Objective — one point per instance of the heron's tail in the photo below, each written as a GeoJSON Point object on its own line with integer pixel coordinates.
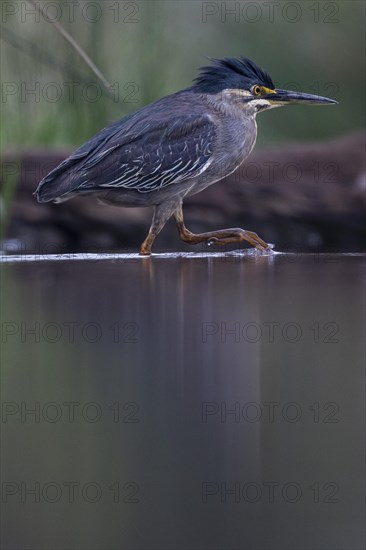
{"type": "Point", "coordinates": [52, 189]}
{"type": "Point", "coordinates": [59, 183]}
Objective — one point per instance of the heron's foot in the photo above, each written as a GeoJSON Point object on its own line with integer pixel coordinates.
{"type": "Point", "coordinates": [145, 249]}
{"type": "Point", "coordinates": [223, 237]}
{"type": "Point", "coordinates": [240, 235]}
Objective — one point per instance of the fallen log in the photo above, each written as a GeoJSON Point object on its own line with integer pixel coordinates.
{"type": "Point", "coordinates": [302, 197]}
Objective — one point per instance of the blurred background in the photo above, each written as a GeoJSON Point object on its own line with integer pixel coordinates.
{"type": "Point", "coordinates": [302, 188]}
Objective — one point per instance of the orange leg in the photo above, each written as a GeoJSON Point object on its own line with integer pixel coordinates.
{"type": "Point", "coordinates": [162, 213]}
{"type": "Point", "coordinates": [220, 237]}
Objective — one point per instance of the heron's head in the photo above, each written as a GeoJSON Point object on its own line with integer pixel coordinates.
{"type": "Point", "coordinates": [243, 81]}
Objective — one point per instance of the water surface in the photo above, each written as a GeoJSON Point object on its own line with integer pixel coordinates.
{"type": "Point", "coordinates": [214, 401]}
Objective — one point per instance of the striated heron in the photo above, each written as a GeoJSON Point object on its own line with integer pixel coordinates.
{"type": "Point", "coordinates": [176, 147]}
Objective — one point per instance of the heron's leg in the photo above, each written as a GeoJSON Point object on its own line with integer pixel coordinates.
{"type": "Point", "coordinates": [220, 237]}
{"type": "Point", "coordinates": [162, 213]}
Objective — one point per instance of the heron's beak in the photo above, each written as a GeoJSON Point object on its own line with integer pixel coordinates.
{"type": "Point", "coordinates": [285, 97]}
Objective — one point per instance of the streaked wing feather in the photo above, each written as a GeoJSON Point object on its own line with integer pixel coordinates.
{"type": "Point", "coordinates": [162, 155]}
{"type": "Point", "coordinates": [92, 152]}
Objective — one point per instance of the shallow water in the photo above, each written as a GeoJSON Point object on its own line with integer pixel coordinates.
{"type": "Point", "coordinates": [165, 403]}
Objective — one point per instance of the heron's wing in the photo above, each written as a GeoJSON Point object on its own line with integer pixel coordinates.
{"type": "Point", "coordinates": [60, 180]}
{"type": "Point", "coordinates": [142, 151]}
{"type": "Point", "coordinates": [164, 153]}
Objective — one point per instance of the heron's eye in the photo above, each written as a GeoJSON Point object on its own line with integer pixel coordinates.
{"type": "Point", "coordinates": [256, 90]}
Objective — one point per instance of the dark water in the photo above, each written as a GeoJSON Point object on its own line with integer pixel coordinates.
{"type": "Point", "coordinates": [184, 404]}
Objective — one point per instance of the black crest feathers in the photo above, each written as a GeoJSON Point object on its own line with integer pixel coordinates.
{"type": "Point", "coordinates": [233, 73]}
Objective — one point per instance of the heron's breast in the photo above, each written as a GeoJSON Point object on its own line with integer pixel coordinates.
{"type": "Point", "coordinates": [235, 143]}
